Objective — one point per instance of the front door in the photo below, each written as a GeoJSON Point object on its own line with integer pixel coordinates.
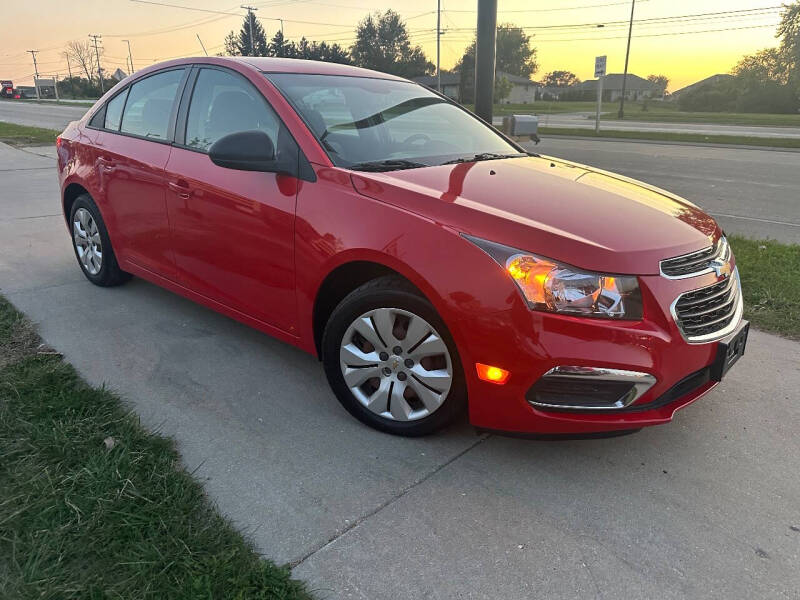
{"type": "Point", "coordinates": [233, 231]}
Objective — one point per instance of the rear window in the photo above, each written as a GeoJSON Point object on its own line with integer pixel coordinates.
{"type": "Point", "coordinates": [149, 105]}
{"type": "Point", "coordinates": [114, 111]}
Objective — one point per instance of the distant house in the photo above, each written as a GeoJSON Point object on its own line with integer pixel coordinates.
{"type": "Point", "coordinates": [698, 84]}
{"type": "Point", "coordinates": [450, 83]}
{"type": "Point", "coordinates": [636, 87]}
{"type": "Point", "coordinates": [523, 91]}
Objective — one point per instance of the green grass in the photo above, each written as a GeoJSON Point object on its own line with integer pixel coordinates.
{"type": "Point", "coordinates": [540, 107]}
{"type": "Point", "coordinates": [668, 113]}
{"type": "Point", "coordinates": [673, 137]}
{"type": "Point", "coordinates": [770, 274]}
{"type": "Point", "coordinates": [84, 518]}
{"type": "Point", "coordinates": [23, 135]}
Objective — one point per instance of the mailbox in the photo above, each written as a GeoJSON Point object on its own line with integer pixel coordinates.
{"type": "Point", "coordinates": [522, 126]}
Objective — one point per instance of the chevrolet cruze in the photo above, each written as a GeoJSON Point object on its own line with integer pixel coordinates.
{"type": "Point", "coordinates": [430, 262]}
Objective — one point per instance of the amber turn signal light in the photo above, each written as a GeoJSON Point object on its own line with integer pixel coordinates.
{"type": "Point", "coordinates": [492, 374]}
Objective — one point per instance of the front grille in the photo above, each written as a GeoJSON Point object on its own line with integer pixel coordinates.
{"type": "Point", "coordinates": [711, 310]}
{"type": "Point", "coordinates": [695, 263]}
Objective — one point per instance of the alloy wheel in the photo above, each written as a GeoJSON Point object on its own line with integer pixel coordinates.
{"type": "Point", "coordinates": [396, 364]}
{"type": "Point", "coordinates": [87, 241]}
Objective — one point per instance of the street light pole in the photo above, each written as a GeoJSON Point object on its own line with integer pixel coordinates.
{"type": "Point", "coordinates": [130, 56]}
{"type": "Point", "coordinates": [621, 113]}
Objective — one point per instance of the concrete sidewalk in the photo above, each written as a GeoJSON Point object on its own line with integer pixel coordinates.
{"type": "Point", "coordinates": [704, 507]}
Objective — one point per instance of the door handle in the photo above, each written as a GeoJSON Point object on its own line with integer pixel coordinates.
{"type": "Point", "coordinates": [181, 188]}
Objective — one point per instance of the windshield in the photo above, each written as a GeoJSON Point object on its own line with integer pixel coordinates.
{"type": "Point", "coordinates": [364, 122]}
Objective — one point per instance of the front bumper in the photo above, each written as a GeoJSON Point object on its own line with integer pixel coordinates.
{"type": "Point", "coordinates": [530, 344]}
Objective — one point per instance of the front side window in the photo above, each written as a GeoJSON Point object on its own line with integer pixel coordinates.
{"type": "Point", "coordinates": [114, 111]}
{"type": "Point", "coordinates": [224, 103]}
{"type": "Point", "coordinates": [150, 103]}
{"type": "Point", "coordinates": [365, 120]}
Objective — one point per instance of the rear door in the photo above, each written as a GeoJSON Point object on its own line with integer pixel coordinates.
{"type": "Point", "coordinates": [232, 231]}
{"type": "Point", "coordinates": [131, 153]}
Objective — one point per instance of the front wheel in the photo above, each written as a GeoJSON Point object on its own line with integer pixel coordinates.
{"type": "Point", "coordinates": [391, 361]}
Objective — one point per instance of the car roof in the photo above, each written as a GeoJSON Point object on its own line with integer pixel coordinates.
{"type": "Point", "coordinates": [310, 67]}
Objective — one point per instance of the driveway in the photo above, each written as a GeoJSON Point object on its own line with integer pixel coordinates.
{"type": "Point", "coordinates": [706, 507]}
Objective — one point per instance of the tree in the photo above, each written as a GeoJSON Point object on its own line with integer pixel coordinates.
{"type": "Point", "coordinates": [766, 65]}
{"type": "Point", "coordinates": [789, 33]}
{"type": "Point", "coordinates": [513, 55]}
{"type": "Point", "coordinates": [382, 43]}
{"type": "Point", "coordinates": [560, 79]}
{"type": "Point", "coordinates": [502, 88]}
{"type": "Point", "coordinates": [660, 83]}
{"type": "Point", "coordinates": [239, 44]}
{"type": "Point", "coordinates": [278, 46]}
{"type": "Point", "coordinates": [322, 51]}
{"type": "Point", "coordinates": [83, 56]}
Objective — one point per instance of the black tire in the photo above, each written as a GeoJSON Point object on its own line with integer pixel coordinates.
{"type": "Point", "coordinates": [109, 274]}
{"type": "Point", "coordinates": [390, 292]}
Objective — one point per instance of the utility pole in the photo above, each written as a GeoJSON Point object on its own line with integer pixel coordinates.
{"type": "Point", "coordinates": [250, 10]}
{"type": "Point", "coordinates": [438, 48]}
{"type": "Point", "coordinates": [97, 54]}
{"type": "Point", "coordinates": [201, 44]}
{"type": "Point", "coordinates": [130, 56]}
{"type": "Point", "coordinates": [71, 82]}
{"type": "Point", "coordinates": [485, 59]}
{"type": "Point", "coordinates": [621, 113]}
{"type": "Point", "coordinates": [35, 73]}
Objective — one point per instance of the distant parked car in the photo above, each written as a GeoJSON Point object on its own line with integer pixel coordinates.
{"type": "Point", "coordinates": [6, 89]}
{"type": "Point", "coordinates": [429, 261]}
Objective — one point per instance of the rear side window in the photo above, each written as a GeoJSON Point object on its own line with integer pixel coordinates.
{"type": "Point", "coordinates": [150, 103]}
{"type": "Point", "coordinates": [224, 103]}
{"type": "Point", "coordinates": [114, 111]}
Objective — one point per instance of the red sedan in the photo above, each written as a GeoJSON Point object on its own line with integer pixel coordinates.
{"type": "Point", "coordinates": [430, 262]}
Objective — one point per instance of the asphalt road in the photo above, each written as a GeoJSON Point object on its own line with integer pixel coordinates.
{"type": "Point", "coordinates": [705, 507]}
{"type": "Point", "coordinates": [56, 116]}
{"type": "Point", "coordinates": [752, 192]}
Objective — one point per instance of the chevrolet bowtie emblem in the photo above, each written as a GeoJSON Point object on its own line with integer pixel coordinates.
{"type": "Point", "coordinates": [721, 268]}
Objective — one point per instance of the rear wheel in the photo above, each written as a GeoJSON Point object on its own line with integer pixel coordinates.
{"type": "Point", "coordinates": [391, 361]}
{"type": "Point", "coordinates": [92, 245]}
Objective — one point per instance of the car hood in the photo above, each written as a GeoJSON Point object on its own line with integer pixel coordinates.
{"type": "Point", "coordinates": [572, 213]}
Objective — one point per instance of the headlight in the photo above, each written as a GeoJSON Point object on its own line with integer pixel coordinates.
{"type": "Point", "coordinates": [555, 287]}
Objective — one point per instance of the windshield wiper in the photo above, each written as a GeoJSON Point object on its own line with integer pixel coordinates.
{"type": "Point", "coordinates": [391, 164]}
{"type": "Point", "coordinates": [482, 156]}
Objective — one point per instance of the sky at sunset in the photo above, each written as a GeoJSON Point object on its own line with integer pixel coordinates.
{"type": "Point", "coordinates": [565, 32]}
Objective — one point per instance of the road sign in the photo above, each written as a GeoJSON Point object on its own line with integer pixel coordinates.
{"type": "Point", "coordinates": [599, 66]}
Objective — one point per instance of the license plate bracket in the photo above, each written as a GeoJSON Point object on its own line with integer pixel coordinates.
{"type": "Point", "coordinates": [730, 351]}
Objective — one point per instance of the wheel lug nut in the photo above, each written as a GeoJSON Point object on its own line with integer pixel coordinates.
{"type": "Point", "coordinates": [408, 363]}
{"type": "Point", "coordinates": [397, 350]}
{"type": "Point", "coordinates": [383, 356]}
{"type": "Point", "coordinates": [387, 371]}
{"type": "Point", "coordinates": [401, 376]}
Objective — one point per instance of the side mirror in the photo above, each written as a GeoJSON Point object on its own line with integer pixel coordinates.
{"type": "Point", "coordinates": [245, 151]}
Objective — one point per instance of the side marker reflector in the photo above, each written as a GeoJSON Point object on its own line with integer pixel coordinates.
{"type": "Point", "coordinates": [492, 374]}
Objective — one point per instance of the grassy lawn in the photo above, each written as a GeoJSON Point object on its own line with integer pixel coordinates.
{"type": "Point", "coordinates": [540, 107]}
{"type": "Point", "coordinates": [770, 275]}
{"type": "Point", "coordinates": [23, 135]}
{"type": "Point", "coordinates": [669, 113]}
{"type": "Point", "coordinates": [93, 506]}
{"type": "Point", "coordinates": [673, 137]}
